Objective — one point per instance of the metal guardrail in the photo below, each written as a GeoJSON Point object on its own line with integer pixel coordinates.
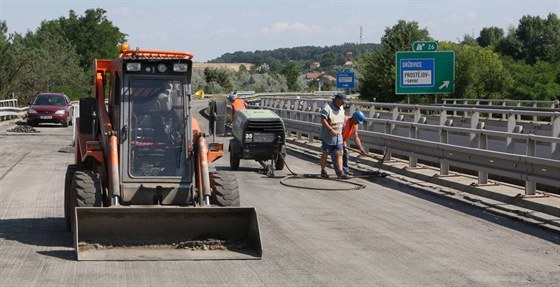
{"type": "Point", "coordinates": [505, 102]}
{"type": "Point", "coordinates": [302, 117]}
{"type": "Point", "coordinates": [9, 110]}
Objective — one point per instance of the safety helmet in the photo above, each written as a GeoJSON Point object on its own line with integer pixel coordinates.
{"type": "Point", "coordinates": [359, 115]}
{"type": "Point", "coordinates": [230, 97]}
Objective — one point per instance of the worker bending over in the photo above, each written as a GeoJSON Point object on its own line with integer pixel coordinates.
{"type": "Point", "coordinates": [236, 104]}
{"type": "Point", "coordinates": [349, 130]}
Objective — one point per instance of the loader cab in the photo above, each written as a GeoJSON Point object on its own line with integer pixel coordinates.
{"type": "Point", "coordinates": [153, 98]}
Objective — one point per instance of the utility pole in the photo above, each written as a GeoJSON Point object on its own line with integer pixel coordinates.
{"type": "Point", "coordinates": [361, 35]}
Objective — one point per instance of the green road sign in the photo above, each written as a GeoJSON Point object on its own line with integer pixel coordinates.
{"type": "Point", "coordinates": [425, 72]}
{"type": "Point", "coordinates": [425, 46]}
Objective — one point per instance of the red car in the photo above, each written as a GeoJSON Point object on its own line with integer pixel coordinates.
{"type": "Point", "coordinates": [50, 108]}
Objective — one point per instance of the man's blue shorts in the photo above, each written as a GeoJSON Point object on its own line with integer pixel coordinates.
{"type": "Point", "coordinates": [331, 148]}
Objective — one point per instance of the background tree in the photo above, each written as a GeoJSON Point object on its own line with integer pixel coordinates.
{"type": "Point", "coordinates": [540, 81]}
{"type": "Point", "coordinates": [479, 72]}
{"type": "Point", "coordinates": [290, 72]}
{"type": "Point", "coordinates": [217, 81]}
{"type": "Point", "coordinates": [377, 68]}
{"type": "Point", "coordinates": [92, 35]}
{"type": "Point", "coordinates": [7, 62]}
{"type": "Point", "coordinates": [469, 40]}
{"type": "Point", "coordinates": [490, 36]}
{"type": "Point", "coordinates": [535, 39]}
{"type": "Point", "coordinates": [510, 45]}
{"type": "Point", "coordinates": [51, 67]}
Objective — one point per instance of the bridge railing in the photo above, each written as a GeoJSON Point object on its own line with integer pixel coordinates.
{"type": "Point", "coordinates": [396, 128]}
{"type": "Point", "coordinates": [554, 104]}
{"type": "Point", "coordinates": [9, 110]}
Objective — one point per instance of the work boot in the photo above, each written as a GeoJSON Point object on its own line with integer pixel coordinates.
{"type": "Point", "coordinates": [324, 174]}
{"type": "Point", "coordinates": [347, 172]}
{"type": "Point", "coordinates": [343, 175]}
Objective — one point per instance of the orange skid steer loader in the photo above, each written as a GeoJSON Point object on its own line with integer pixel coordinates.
{"type": "Point", "coordinates": [141, 188]}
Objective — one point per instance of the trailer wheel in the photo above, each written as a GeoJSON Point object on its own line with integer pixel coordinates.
{"type": "Point", "coordinates": [279, 165]}
{"type": "Point", "coordinates": [233, 160]}
{"type": "Point", "coordinates": [70, 170]}
{"type": "Point", "coordinates": [225, 191]}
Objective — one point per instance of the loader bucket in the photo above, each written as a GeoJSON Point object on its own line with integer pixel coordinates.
{"type": "Point", "coordinates": [166, 233]}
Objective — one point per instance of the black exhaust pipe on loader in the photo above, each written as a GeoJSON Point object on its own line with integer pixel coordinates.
{"type": "Point", "coordinates": [166, 233]}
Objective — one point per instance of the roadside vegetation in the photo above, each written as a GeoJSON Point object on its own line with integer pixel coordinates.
{"type": "Point", "coordinates": [521, 63]}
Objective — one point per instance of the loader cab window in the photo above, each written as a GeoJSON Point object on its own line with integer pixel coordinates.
{"type": "Point", "coordinates": [156, 128]}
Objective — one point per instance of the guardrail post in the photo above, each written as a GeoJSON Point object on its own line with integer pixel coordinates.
{"type": "Point", "coordinates": [290, 108]}
{"type": "Point", "coordinates": [455, 111]}
{"type": "Point", "coordinates": [413, 159]}
{"type": "Point", "coordinates": [475, 119]}
{"type": "Point", "coordinates": [519, 115]}
{"type": "Point", "coordinates": [531, 186]}
{"type": "Point", "coordinates": [512, 128]}
{"type": "Point", "coordinates": [482, 144]}
{"type": "Point", "coordinates": [311, 107]}
{"type": "Point", "coordinates": [554, 147]}
{"type": "Point", "coordinates": [388, 130]}
{"type": "Point", "coordinates": [394, 117]}
{"type": "Point", "coordinates": [444, 138]}
{"type": "Point", "coordinates": [284, 104]}
{"type": "Point", "coordinates": [478, 140]}
{"type": "Point", "coordinates": [368, 126]}
{"type": "Point", "coordinates": [535, 105]}
{"type": "Point", "coordinates": [352, 108]}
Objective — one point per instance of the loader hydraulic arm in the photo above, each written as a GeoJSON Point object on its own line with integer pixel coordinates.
{"type": "Point", "coordinates": [107, 136]}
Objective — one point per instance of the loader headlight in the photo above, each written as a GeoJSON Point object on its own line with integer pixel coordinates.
{"type": "Point", "coordinates": [180, 67]}
{"type": "Point", "coordinates": [161, 68]}
{"type": "Point", "coordinates": [133, 67]}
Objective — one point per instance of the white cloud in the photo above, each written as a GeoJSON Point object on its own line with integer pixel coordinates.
{"type": "Point", "coordinates": [458, 18]}
{"type": "Point", "coordinates": [291, 27]}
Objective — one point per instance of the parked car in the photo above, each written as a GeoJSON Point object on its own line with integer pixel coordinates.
{"type": "Point", "coordinates": [50, 108]}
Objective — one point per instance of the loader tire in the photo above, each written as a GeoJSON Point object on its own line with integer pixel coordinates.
{"type": "Point", "coordinates": [87, 187]}
{"type": "Point", "coordinates": [85, 191]}
{"type": "Point", "coordinates": [225, 191]}
{"type": "Point", "coordinates": [70, 170]}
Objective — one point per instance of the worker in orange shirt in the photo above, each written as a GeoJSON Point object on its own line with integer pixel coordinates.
{"type": "Point", "coordinates": [349, 130]}
{"type": "Point", "coordinates": [236, 104]}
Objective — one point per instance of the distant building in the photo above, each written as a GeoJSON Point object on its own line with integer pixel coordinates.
{"type": "Point", "coordinates": [263, 68]}
{"type": "Point", "coordinates": [349, 54]}
{"type": "Point", "coordinates": [327, 78]}
{"type": "Point", "coordinates": [314, 66]}
{"type": "Point", "coordinates": [312, 75]}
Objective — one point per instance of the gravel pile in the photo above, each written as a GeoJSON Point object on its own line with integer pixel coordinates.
{"type": "Point", "coordinates": [23, 129]}
{"type": "Point", "coordinates": [193, 245]}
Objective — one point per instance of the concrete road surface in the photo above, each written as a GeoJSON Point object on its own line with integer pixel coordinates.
{"type": "Point", "coordinates": [386, 234]}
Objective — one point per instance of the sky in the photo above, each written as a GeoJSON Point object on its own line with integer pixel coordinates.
{"type": "Point", "coordinates": [211, 28]}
